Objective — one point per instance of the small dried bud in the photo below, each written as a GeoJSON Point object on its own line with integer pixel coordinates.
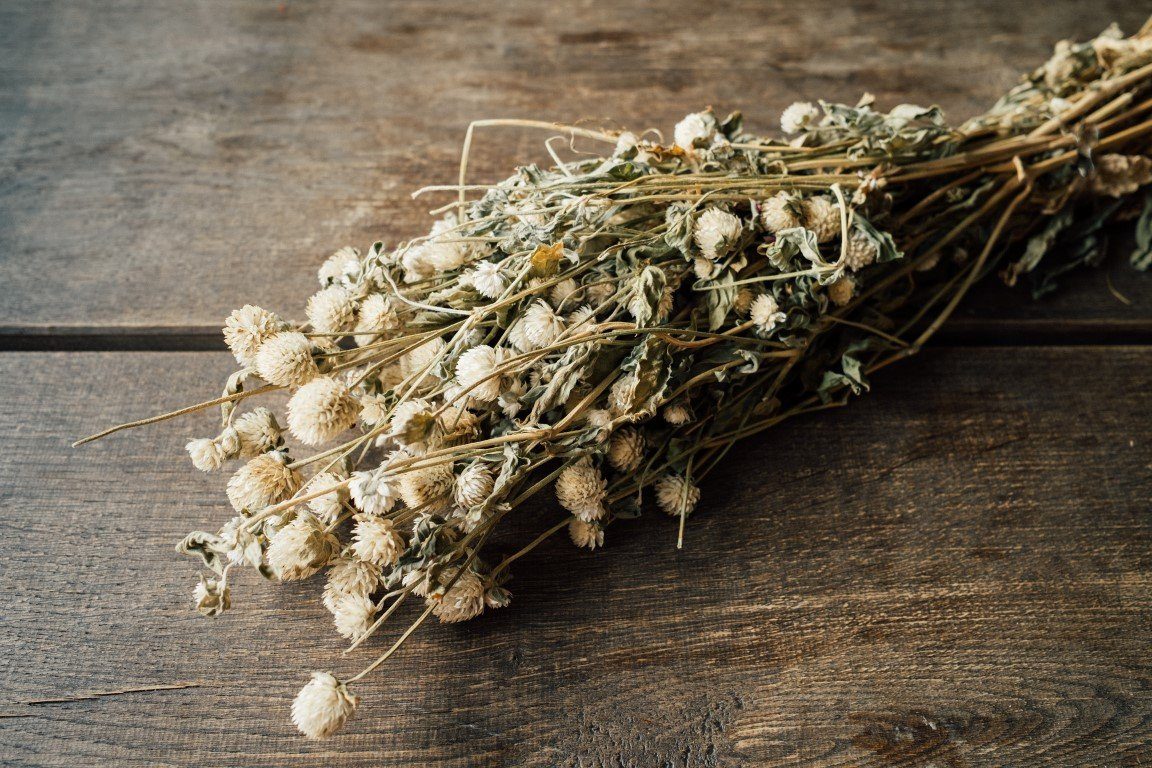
{"type": "Point", "coordinates": [798, 116]}
{"type": "Point", "coordinates": [581, 489]}
{"type": "Point", "coordinates": [626, 449]}
{"type": "Point", "coordinates": [766, 314]}
{"type": "Point", "coordinates": [322, 706]}
{"type": "Point", "coordinates": [1119, 175]}
{"type": "Point", "coordinates": [842, 291]}
{"type": "Point", "coordinates": [586, 534]}
{"type": "Point", "coordinates": [677, 414]}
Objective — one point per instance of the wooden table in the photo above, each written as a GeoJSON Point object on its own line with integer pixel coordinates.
{"type": "Point", "coordinates": [952, 572]}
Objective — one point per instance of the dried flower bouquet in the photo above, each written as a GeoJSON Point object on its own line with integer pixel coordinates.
{"type": "Point", "coordinates": [611, 325]}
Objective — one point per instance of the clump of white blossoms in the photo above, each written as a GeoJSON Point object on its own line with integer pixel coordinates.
{"type": "Point", "coordinates": [604, 331]}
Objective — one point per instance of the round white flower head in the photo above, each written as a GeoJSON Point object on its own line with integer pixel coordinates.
{"type": "Point", "coordinates": [842, 291]}
{"type": "Point", "coordinates": [487, 279]}
{"type": "Point", "coordinates": [413, 425]}
{"type": "Point", "coordinates": [349, 576]}
{"type": "Point", "coordinates": [429, 488]}
{"type": "Point", "coordinates": [677, 414]}
{"type": "Point", "coordinates": [422, 357]}
{"type": "Point", "coordinates": [598, 418]}
{"type": "Point", "coordinates": [582, 319]}
{"type": "Point", "coordinates": [264, 480]}
{"type": "Point", "coordinates": [207, 454]}
{"type": "Point", "coordinates": [539, 327]}
{"type": "Point", "coordinates": [373, 492]}
{"type": "Point", "coordinates": [375, 540]}
{"type": "Point", "coordinates": [676, 496]}
{"type": "Point", "coordinates": [716, 231]}
{"type": "Point", "coordinates": [320, 410]}
{"type": "Point", "coordinates": [581, 489]}
{"type": "Point", "coordinates": [464, 601]}
{"type": "Point", "coordinates": [340, 267]}
{"type": "Point", "coordinates": [286, 359]}
{"type": "Point", "coordinates": [476, 371]}
{"type": "Point", "coordinates": [418, 263]}
{"type": "Point", "coordinates": [374, 408]}
{"type": "Point", "coordinates": [781, 211]}
{"type": "Point", "coordinates": [564, 294]}
{"type": "Point", "coordinates": [473, 485]}
{"type": "Point", "coordinates": [211, 597]}
{"type": "Point", "coordinates": [822, 216]}
{"type": "Point", "coordinates": [765, 313]}
{"type": "Point", "coordinates": [331, 310]}
{"type": "Point", "coordinates": [378, 318]}
{"type": "Point", "coordinates": [322, 706]}
{"type": "Point", "coordinates": [585, 534]}
{"type": "Point", "coordinates": [626, 449]}
{"type": "Point", "coordinates": [457, 424]}
{"type": "Point", "coordinates": [861, 252]}
{"type": "Point", "coordinates": [695, 130]}
{"type": "Point", "coordinates": [247, 328]}
{"type": "Point", "coordinates": [258, 431]}
{"type": "Point", "coordinates": [798, 116]}
{"type": "Point", "coordinates": [353, 615]}
{"type": "Point", "coordinates": [301, 548]}
{"type": "Point", "coordinates": [328, 506]}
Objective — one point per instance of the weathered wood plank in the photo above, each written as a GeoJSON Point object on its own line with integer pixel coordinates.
{"type": "Point", "coordinates": [954, 571]}
{"type": "Point", "coordinates": [165, 162]}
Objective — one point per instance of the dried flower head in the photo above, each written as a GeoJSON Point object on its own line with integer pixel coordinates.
{"type": "Point", "coordinates": [301, 548]}
{"type": "Point", "coordinates": [414, 426]}
{"type": "Point", "coordinates": [374, 492]}
{"type": "Point", "coordinates": [581, 489]}
{"type": "Point", "coordinates": [350, 576]}
{"type": "Point", "coordinates": [207, 454]}
{"type": "Point", "coordinates": [626, 449]}
{"type": "Point", "coordinates": [258, 432]}
{"type": "Point", "coordinates": [586, 534]}
{"type": "Point", "coordinates": [263, 481]}
{"type": "Point", "coordinates": [677, 414]}
{"type": "Point", "coordinates": [861, 251]}
{"type": "Point", "coordinates": [320, 410]}
{"type": "Point", "coordinates": [781, 211]}
{"type": "Point", "coordinates": [539, 327]}
{"type": "Point", "coordinates": [842, 291]}
{"type": "Point", "coordinates": [211, 596]}
{"type": "Point", "coordinates": [695, 130]}
{"type": "Point", "coordinates": [766, 314]}
{"type": "Point", "coordinates": [286, 359]}
{"type": "Point", "coordinates": [329, 506]}
{"type": "Point", "coordinates": [428, 488]}
{"type": "Point", "coordinates": [331, 310]}
{"type": "Point", "coordinates": [822, 216]}
{"type": "Point", "coordinates": [798, 116]}
{"type": "Point", "coordinates": [340, 267]}
{"type": "Point", "coordinates": [487, 279]}
{"type": "Point", "coordinates": [375, 540]}
{"type": "Point", "coordinates": [473, 485]}
{"type": "Point", "coordinates": [463, 601]}
{"type": "Point", "coordinates": [675, 495]}
{"type": "Point", "coordinates": [247, 328]}
{"type": "Point", "coordinates": [477, 372]}
{"type": "Point", "coordinates": [716, 232]}
{"type": "Point", "coordinates": [1119, 175]}
{"type": "Point", "coordinates": [377, 319]}
{"type": "Point", "coordinates": [565, 294]}
{"type": "Point", "coordinates": [353, 614]}
{"type": "Point", "coordinates": [322, 706]}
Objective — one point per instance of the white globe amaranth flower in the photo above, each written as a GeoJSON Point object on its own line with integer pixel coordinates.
{"type": "Point", "coordinates": [428, 488]}
{"type": "Point", "coordinates": [329, 506]}
{"type": "Point", "coordinates": [565, 294]}
{"type": "Point", "coordinates": [247, 328]}
{"type": "Point", "coordinates": [463, 601]}
{"type": "Point", "coordinates": [765, 313]}
{"type": "Point", "coordinates": [842, 291]}
{"type": "Point", "coordinates": [350, 576]}
{"type": "Point", "coordinates": [798, 116]}
{"type": "Point", "coordinates": [375, 540]}
{"type": "Point", "coordinates": [581, 489]}
{"type": "Point", "coordinates": [342, 267]}
{"type": "Point", "coordinates": [414, 426]}
{"type": "Point", "coordinates": [695, 130]}
{"type": "Point", "coordinates": [322, 706]}
{"type": "Point", "coordinates": [588, 535]}
{"type": "Point", "coordinates": [473, 485]}
{"type": "Point", "coordinates": [677, 414]}
{"type": "Point", "coordinates": [822, 217]}
{"type": "Point", "coordinates": [626, 449]}
{"type": "Point", "coordinates": [301, 548]}
{"type": "Point", "coordinates": [286, 359]}
{"type": "Point", "coordinates": [781, 211]}
{"type": "Point", "coordinates": [331, 310]}
{"type": "Point", "coordinates": [353, 614]}
{"type": "Point", "coordinates": [675, 495]}
{"type": "Point", "coordinates": [373, 492]}
{"type": "Point", "coordinates": [861, 252]}
{"type": "Point", "coordinates": [258, 431]}
{"type": "Point", "coordinates": [422, 358]}
{"type": "Point", "coordinates": [1116, 175]}
{"type": "Point", "coordinates": [487, 279]}
{"type": "Point", "coordinates": [207, 454]}
{"type": "Point", "coordinates": [263, 481]}
{"type": "Point", "coordinates": [320, 410]}
{"type": "Point", "coordinates": [476, 371]}
{"type": "Point", "coordinates": [716, 231]}
{"type": "Point", "coordinates": [377, 319]}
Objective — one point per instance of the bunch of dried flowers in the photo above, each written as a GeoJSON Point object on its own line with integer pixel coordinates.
{"type": "Point", "coordinates": [610, 326]}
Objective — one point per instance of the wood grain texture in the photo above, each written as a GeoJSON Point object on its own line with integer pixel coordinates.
{"type": "Point", "coordinates": [165, 162]}
{"type": "Point", "coordinates": [954, 571]}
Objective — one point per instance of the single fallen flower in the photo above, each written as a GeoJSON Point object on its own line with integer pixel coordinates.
{"type": "Point", "coordinates": [615, 324]}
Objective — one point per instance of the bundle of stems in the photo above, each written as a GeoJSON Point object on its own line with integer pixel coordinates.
{"type": "Point", "coordinates": [614, 324]}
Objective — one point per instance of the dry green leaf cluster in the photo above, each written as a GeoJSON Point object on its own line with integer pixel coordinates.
{"type": "Point", "coordinates": [608, 327]}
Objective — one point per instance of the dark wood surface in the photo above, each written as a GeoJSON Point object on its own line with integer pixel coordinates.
{"type": "Point", "coordinates": [953, 572]}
